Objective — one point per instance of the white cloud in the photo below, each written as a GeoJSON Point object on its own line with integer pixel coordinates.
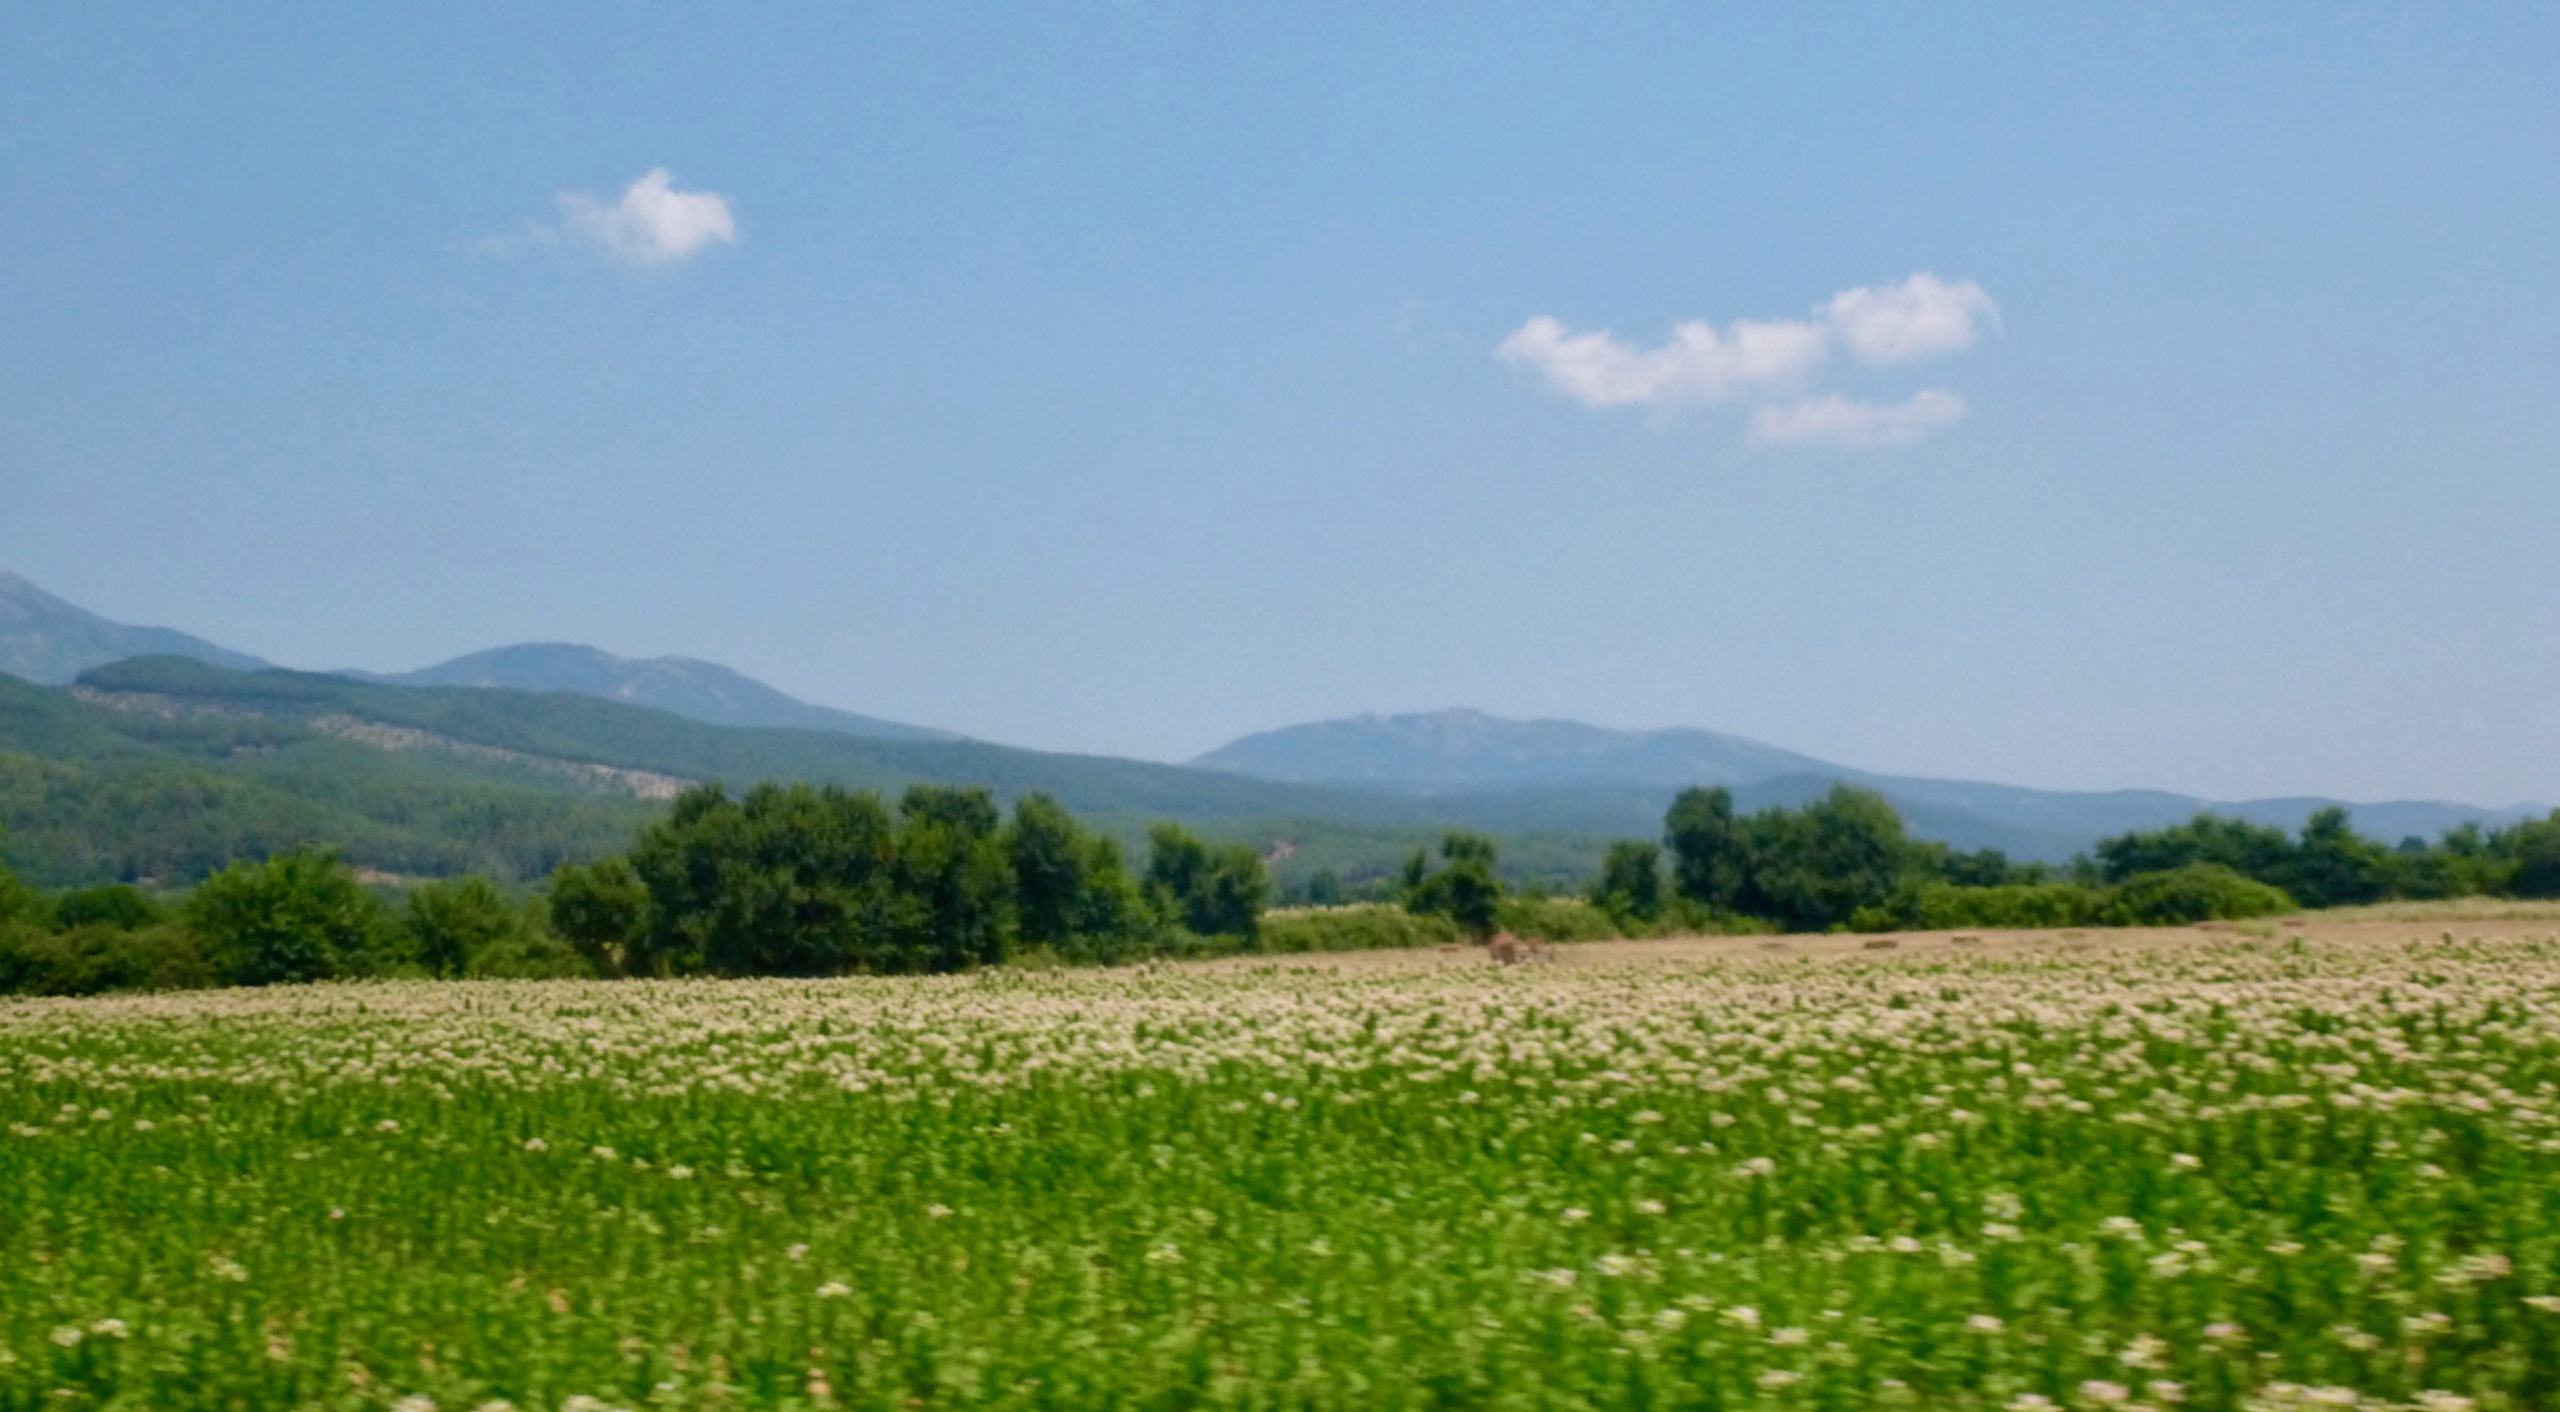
{"type": "Point", "coordinates": [1697, 365]}
{"type": "Point", "coordinates": [653, 223]}
{"type": "Point", "coordinates": [1760, 362]}
{"type": "Point", "coordinates": [1894, 323]}
{"type": "Point", "coordinates": [1838, 421]}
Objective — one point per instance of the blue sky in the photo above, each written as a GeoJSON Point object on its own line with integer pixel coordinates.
{"type": "Point", "coordinates": [1127, 377]}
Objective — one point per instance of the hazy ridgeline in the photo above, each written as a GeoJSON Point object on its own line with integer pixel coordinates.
{"type": "Point", "coordinates": [803, 880]}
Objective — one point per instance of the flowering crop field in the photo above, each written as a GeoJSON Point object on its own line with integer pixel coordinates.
{"type": "Point", "coordinates": [2236, 1174]}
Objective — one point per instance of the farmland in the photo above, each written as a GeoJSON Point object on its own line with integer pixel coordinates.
{"type": "Point", "coordinates": [2261, 1170]}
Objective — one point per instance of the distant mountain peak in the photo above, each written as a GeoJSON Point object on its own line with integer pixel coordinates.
{"type": "Point", "coordinates": [1452, 755]}
{"type": "Point", "coordinates": [1463, 748]}
{"type": "Point", "coordinates": [679, 686]}
{"type": "Point", "coordinates": [44, 639]}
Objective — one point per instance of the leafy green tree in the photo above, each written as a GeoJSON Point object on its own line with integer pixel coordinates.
{"type": "Point", "coordinates": [1630, 885]}
{"type": "Point", "coordinates": [603, 911]}
{"type": "Point", "coordinates": [297, 917]}
{"type": "Point", "coordinates": [951, 869]}
{"type": "Point", "coordinates": [1113, 918]}
{"type": "Point", "coordinates": [1710, 859]}
{"type": "Point", "coordinates": [789, 880]}
{"type": "Point", "coordinates": [121, 906]}
{"type": "Point", "coordinates": [2251, 850]}
{"type": "Point", "coordinates": [2333, 866]}
{"type": "Point", "coordinates": [1813, 868]}
{"type": "Point", "coordinates": [454, 924]}
{"type": "Point", "coordinates": [1214, 890]}
{"type": "Point", "coordinates": [1050, 854]}
{"type": "Point", "coordinates": [2534, 848]}
{"type": "Point", "coordinates": [1325, 889]}
{"type": "Point", "coordinates": [1464, 888]}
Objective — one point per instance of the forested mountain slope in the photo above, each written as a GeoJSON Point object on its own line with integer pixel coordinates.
{"type": "Point", "coordinates": [681, 686]}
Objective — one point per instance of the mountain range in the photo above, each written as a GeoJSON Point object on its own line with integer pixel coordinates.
{"type": "Point", "coordinates": [43, 639]}
{"type": "Point", "coordinates": [1347, 794]}
{"type": "Point", "coordinates": [680, 686]}
{"type": "Point", "coordinates": [1460, 752]}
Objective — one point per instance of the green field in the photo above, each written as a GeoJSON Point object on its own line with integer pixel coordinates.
{"type": "Point", "coordinates": [2252, 1173]}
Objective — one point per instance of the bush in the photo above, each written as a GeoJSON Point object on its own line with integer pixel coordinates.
{"type": "Point", "coordinates": [1938, 906]}
{"type": "Point", "coordinates": [1359, 926]}
{"type": "Point", "coordinates": [1555, 919]}
{"type": "Point", "coordinates": [93, 958]}
{"type": "Point", "coordinates": [2199, 892]}
{"type": "Point", "coordinates": [298, 917]}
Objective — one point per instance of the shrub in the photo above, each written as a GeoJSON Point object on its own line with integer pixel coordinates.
{"type": "Point", "coordinates": [1555, 919]}
{"type": "Point", "coordinates": [94, 958]}
{"type": "Point", "coordinates": [2199, 892]}
{"type": "Point", "coordinates": [298, 917]}
{"type": "Point", "coordinates": [1939, 906]}
{"type": "Point", "coordinates": [1359, 926]}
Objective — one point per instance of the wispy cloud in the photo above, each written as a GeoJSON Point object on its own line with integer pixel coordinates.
{"type": "Point", "coordinates": [1838, 421]}
{"type": "Point", "coordinates": [653, 223]}
{"type": "Point", "coordinates": [1763, 360]}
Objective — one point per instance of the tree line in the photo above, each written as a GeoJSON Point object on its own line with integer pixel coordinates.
{"type": "Point", "coordinates": [1845, 860]}
{"type": "Point", "coordinates": [790, 880]}
{"type": "Point", "coordinates": [800, 880]}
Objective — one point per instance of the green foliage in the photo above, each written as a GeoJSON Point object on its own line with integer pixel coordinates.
{"type": "Point", "coordinates": [1554, 919]}
{"type": "Point", "coordinates": [1214, 889]}
{"type": "Point", "coordinates": [2197, 892]}
{"type": "Point", "coordinates": [2535, 850]}
{"type": "Point", "coordinates": [2251, 850]}
{"type": "Point", "coordinates": [1630, 886]}
{"type": "Point", "coordinates": [19, 903]}
{"type": "Point", "coordinates": [2330, 865]}
{"type": "Point", "coordinates": [602, 909]}
{"type": "Point", "coordinates": [1943, 906]}
{"type": "Point", "coordinates": [94, 957]}
{"type": "Point", "coordinates": [118, 905]}
{"type": "Point", "coordinates": [1358, 926]}
{"type": "Point", "coordinates": [2196, 1179]}
{"type": "Point", "coordinates": [1710, 859]}
{"type": "Point", "coordinates": [1463, 889]}
{"type": "Point", "coordinates": [806, 881]}
{"type": "Point", "coordinates": [950, 861]}
{"type": "Point", "coordinates": [1806, 869]}
{"type": "Point", "coordinates": [457, 926]}
{"type": "Point", "coordinates": [299, 917]}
